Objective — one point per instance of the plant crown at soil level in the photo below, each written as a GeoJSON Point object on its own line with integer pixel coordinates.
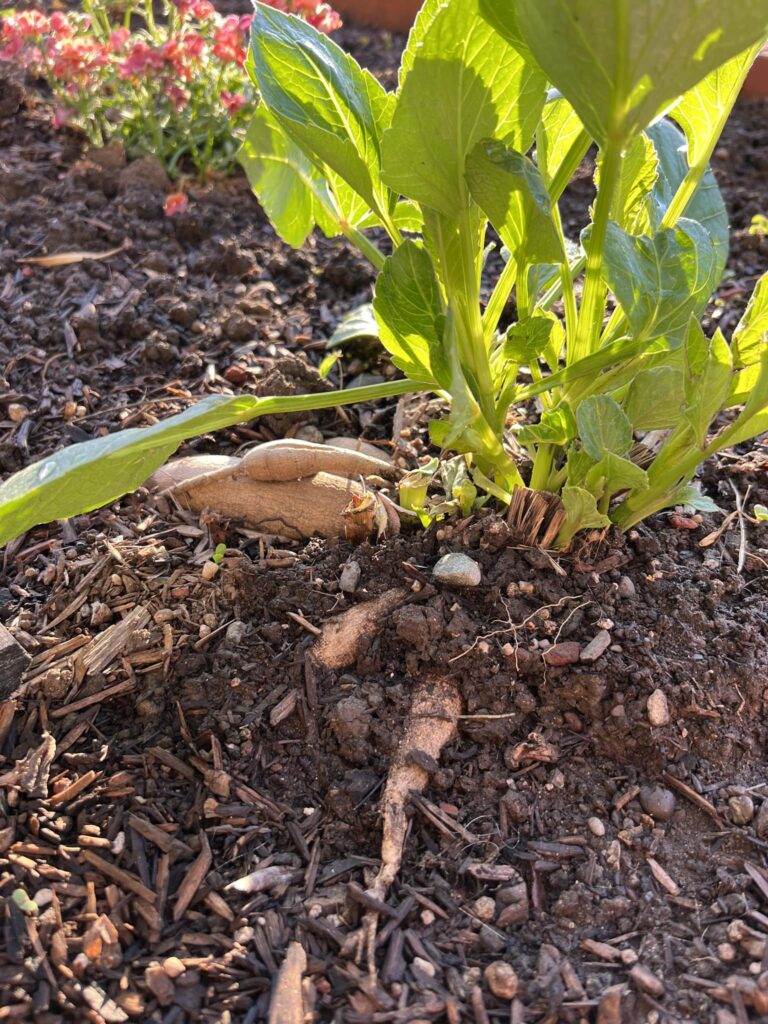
{"type": "Point", "coordinates": [165, 78]}
{"type": "Point", "coordinates": [496, 107]}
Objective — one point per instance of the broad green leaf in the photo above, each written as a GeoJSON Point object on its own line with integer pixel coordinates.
{"type": "Point", "coordinates": [655, 398]}
{"type": "Point", "coordinates": [760, 512]}
{"type": "Point", "coordinates": [464, 83]}
{"type": "Point", "coordinates": [409, 311]}
{"type": "Point", "coordinates": [603, 427]}
{"type": "Point", "coordinates": [321, 97]}
{"type": "Point", "coordinates": [407, 216]}
{"type": "Point", "coordinates": [701, 110]}
{"type": "Point", "coordinates": [706, 205]}
{"type": "Point", "coordinates": [286, 183]}
{"type": "Point", "coordinates": [749, 338]}
{"type": "Point", "coordinates": [582, 513]}
{"type": "Point", "coordinates": [559, 128]}
{"type": "Point", "coordinates": [556, 426]}
{"type": "Point", "coordinates": [632, 201]}
{"type": "Point", "coordinates": [578, 465]}
{"type": "Point", "coordinates": [660, 281]}
{"type": "Point", "coordinates": [753, 418]}
{"type": "Point", "coordinates": [525, 341]}
{"type": "Point", "coordinates": [510, 190]}
{"type": "Point", "coordinates": [622, 63]}
{"type": "Point", "coordinates": [707, 379]}
{"type": "Point", "coordinates": [93, 473]}
{"type": "Point", "coordinates": [358, 323]}
{"type": "Point", "coordinates": [613, 474]}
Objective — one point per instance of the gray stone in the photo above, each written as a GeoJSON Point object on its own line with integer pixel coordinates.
{"type": "Point", "coordinates": [742, 809]}
{"type": "Point", "coordinates": [627, 588]}
{"type": "Point", "coordinates": [658, 802]}
{"type": "Point", "coordinates": [596, 647]}
{"type": "Point", "coordinates": [457, 570]}
{"type": "Point", "coordinates": [350, 577]}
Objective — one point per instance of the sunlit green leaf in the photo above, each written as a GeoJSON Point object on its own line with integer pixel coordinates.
{"type": "Point", "coordinates": [603, 427]}
{"type": "Point", "coordinates": [360, 322]}
{"type": "Point", "coordinates": [707, 379]}
{"type": "Point", "coordinates": [464, 83]}
{"type": "Point", "coordinates": [582, 513]}
{"type": "Point", "coordinates": [750, 338]}
{"type": "Point", "coordinates": [655, 398]}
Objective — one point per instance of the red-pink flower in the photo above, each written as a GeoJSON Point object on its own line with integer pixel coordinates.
{"type": "Point", "coordinates": [177, 202]}
{"type": "Point", "coordinates": [228, 41]}
{"type": "Point", "coordinates": [202, 9]}
{"type": "Point", "coordinates": [178, 96]}
{"type": "Point", "coordinates": [77, 58]}
{"type": "Point", "coordinates": [141, 59]}
{"type": "Point", "coordinates": [232, 101]}
{"type": "Point", "coordinates": [118, 39]}
{"type": "Point", "coordinates": [60, 25]}
{"type": "Point", "coordinates": [60, 117]}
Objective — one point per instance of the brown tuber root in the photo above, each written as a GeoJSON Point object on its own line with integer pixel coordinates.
{"type": "Point", "coordinates": [435, 709]}
{"type": "Point", "coordinates": [290, 488]}
{"type": "Point", "coordinates": [339, 642]}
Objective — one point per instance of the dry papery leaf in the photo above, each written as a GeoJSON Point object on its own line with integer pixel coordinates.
{"type": "Point", "coordinates": [66, 259]}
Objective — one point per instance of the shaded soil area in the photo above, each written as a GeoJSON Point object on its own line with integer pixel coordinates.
{"type": "Point", "coordinates": [180, 799]}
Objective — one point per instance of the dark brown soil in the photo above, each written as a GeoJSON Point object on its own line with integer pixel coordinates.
{"type": "Point", "coordinates": [618, 866]}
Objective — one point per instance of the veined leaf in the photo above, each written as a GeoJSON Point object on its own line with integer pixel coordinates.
{"type": "Point", "coordinates": [706, 204]}
{"type": "Point", "coordinates": [655, 398]}
{"type": "Point", "coordinates": [603, 427]}
{"type": "Point", "coordinates": [559, 127]}
{"type": "Point", "coordinates": [285, 181]}
{"type": "Point", "coordinates": [511, 192]}
{"type": "Point", "coordinates": [622, 63]}
{"type": "Point", "coordinates": [660, 281]}
{"type": "Point", "coordinates": [701, 110]}
{"type": "Point", "coordinates": [464, 83]}
{"type": "Point", "coordinates": [321, 97]}
{"type": "Point", "coordinates": [582, 513]}
{"type": "Point", "coordinates": [632, 202]}
{"type": "Point", "coordinates": [707, 379]}
{"type": "Point", "coordinates": [556, 426]}
{"type": "Point", "coordinates": [525, 341]}
{"type": "Point", "coordinates": [613, 474]}
{"type": "Point", "coordinates": [409, 311]}
{"type": "Point", "coordinates": [749, 338]}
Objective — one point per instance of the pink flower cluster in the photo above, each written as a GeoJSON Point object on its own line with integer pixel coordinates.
{"type": "Point", "coordinates": [185, 63]}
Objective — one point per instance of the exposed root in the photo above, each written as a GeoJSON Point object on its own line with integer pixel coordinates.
{"type": "Point", "coordinates": [339, 643]}
{"type": "Point", "coordinates": [435, 709]}
{"type": "Point", "coordinates": [287, 1005]}
{"type": "Point", "coordinates": [290, 488]}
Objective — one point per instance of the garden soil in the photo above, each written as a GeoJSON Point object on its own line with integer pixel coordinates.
{"type": "Point", "coordinates": [182, 795]}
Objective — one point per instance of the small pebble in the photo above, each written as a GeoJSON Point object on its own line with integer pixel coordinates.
{"type": "Point", "coordinates": [457, 570]}
{"type": "Point", "coordinates": [424, 966]}
{"type": "Point", "coordinates": [658, 802]}
{"type": "Point", "coordinates": [350, 577]}
{"type": "Point", "coordinates": [596, 647]}
{"type": "Point", "coordinates": [658, 709]}
{"type": "Point", "coordinates": [17, 413]}
{"type": "Point", "coordinates": [484, 909]}
{"type": "Point", "coordinates": [501, 980]}
{"type": "Point", "coordinates": [563, 654]}
{"type": "Point", "coordinates": [742, 809]}
{"type": "Point", "coordinates": [235, 632]}
{"type": "Point", "coordinates": [596, 827]}
{"type": "Point", "coordinates": [173, 967]}
{"type": "Point", "coordinates": [627, 588]}
{"type": "Point", "coordinates": [209, 570]}
{"type": "Point", "coordinates": [310, 432]}
{"type": "Point", "coordinates": [726, 952]}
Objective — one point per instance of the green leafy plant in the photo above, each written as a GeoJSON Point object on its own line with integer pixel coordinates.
{"type": "Point", "coordinates": [497, 105]}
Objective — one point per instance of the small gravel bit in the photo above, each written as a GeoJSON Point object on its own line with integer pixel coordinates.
{"type": "Point", "coordinates": [742, 809]}
{"type": "Point", "coordinates": [596, 647]}
{"type": "Point", "coordinates": [563, 654]}
{"type": "Point", "coordinates": [658, 802]}
{"type": "Point", "coordinates": [457, 570]}
{"type": "Point", "coordinates": [350, 577]}
{"type": "Point", "coordinates": [501, 980]}
{"type": "Point", "coordinates": [627, 588]}
{"type": "Point", "coordinates": [658, 709]}
{"type": "Point", "coordinates": [596, 827]}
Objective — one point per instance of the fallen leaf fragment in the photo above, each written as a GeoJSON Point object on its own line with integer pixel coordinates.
{"type": "Point", "coordinates": [66, 259]}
